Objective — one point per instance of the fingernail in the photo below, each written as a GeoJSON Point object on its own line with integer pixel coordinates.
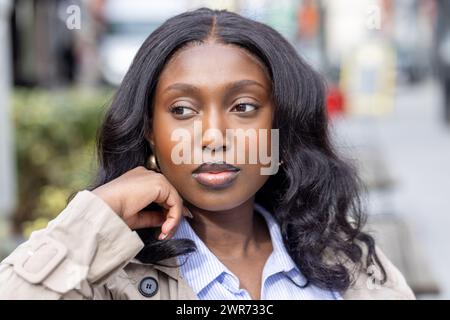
{"type": "Point", "coordinates": [189, 213]}
{"type": "Point", "coordinates": [162, 236]}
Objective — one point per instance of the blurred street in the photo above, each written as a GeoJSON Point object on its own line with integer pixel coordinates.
{"type": "Point", "coordinates": [415, 147]}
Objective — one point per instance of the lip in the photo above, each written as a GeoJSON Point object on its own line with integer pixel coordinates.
{"type": "Point", "coordinates": [215, 175]}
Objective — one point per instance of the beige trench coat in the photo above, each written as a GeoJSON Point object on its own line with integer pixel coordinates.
{"type": "Point", "coordinates": [87, 252]}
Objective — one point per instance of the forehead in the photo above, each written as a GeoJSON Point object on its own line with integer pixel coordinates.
{"type": "Point", "coordinates": [212, 64]}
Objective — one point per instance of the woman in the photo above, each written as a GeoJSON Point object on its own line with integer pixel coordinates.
{"type": "Point", "coordinates": [210, 229]}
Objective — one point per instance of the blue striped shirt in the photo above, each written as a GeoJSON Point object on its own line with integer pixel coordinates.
{"type": "Point", "coordinates": [212, 280]}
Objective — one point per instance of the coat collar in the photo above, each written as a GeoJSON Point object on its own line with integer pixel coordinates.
{"type": "Point", "coordinates": [165, 267]}
{"type": "Point", "coordinates": [395, 288]}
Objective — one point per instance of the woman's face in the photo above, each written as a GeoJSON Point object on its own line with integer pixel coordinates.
{"type": "Point", "coordinates": [211, 86]}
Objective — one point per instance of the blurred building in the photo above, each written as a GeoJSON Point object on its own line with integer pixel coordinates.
{"type": "Point", "coordinates": [442, 53]}
{"type": "Point", "coordinates": [47, 51]}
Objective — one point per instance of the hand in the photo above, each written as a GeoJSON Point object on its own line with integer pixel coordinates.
{"type": "Point", "coordinates": [130, 193]}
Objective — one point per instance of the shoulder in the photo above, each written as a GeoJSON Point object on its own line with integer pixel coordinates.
{"type": "Point", "coordinates": [367, 284]}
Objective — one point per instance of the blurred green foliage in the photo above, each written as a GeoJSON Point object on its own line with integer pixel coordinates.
{"type": "Point", "coordinates": [55, 134]}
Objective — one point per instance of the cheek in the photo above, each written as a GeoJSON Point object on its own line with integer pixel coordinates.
{"type": "Point", "coordinates": [260, 147]}
{"type": "Point", "coordinates": [162, 130]}
{"type": "Point", "coordinates": [252, 178]}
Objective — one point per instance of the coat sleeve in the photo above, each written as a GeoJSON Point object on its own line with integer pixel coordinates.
{"type": "Point", "coordinates": [73, 256]}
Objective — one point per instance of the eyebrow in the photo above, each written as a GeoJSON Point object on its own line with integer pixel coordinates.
{"type": "Point", "coordinates": [231, 88]}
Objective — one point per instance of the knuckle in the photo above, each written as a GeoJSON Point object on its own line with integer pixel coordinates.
{"type": "Point", "coordinates": [157, 176]}
{"type": "Point", "coordinates": [161, 189]}
{"type": "Point", "coordinates": [158, 188]}
{"type": "Point", "coordinates": [161, 177]}
{"type": "Point", "coordinates": [140, 169]}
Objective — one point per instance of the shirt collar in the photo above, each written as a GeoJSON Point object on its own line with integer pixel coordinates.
{"type": "Point", "coordinates": [194, 264]}
{"type": "Point", "coordinates": [282, 260]}
{"type": "Point", "coordinates": [202, 267]}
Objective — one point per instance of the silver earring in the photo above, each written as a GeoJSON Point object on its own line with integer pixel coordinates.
{"type": "Point", "coordinates": [152, 164]}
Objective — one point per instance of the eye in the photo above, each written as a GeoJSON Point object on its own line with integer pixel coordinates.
{"type": "Point", "coordinates": [182, 111]}
{"type": "Point", "coordinates": [244, 107]}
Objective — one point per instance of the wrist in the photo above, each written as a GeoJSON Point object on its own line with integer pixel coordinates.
{"type": "Point", "coordinates": [110, 201]}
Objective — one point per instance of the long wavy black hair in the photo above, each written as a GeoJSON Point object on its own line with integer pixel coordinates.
{"type": "Point", "coordinates": [314, 196]}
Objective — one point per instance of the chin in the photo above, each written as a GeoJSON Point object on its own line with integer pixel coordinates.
{"type": "Point", "coordinates": [217, 200]}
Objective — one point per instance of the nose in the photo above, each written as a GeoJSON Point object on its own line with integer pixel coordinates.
{"type": "Point", "coordinates": [214, 131]}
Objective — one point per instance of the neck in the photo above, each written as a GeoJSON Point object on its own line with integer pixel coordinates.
{"type": "Point", "coordinates": [231, 233]}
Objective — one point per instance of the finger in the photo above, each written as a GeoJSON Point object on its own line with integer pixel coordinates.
{"type": "Point", "coordinates": [170, 225]}
{"type": "Point", "coordinates": [174, 215]}
{"type": "Point", "coordinates": [146, 219]}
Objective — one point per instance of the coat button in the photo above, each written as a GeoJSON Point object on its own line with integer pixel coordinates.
{"type": "Point", "coordinates": [148, 287]}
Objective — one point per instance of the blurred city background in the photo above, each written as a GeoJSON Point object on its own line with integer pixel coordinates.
{"type": "Point", "coordinates": [387, 64]}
